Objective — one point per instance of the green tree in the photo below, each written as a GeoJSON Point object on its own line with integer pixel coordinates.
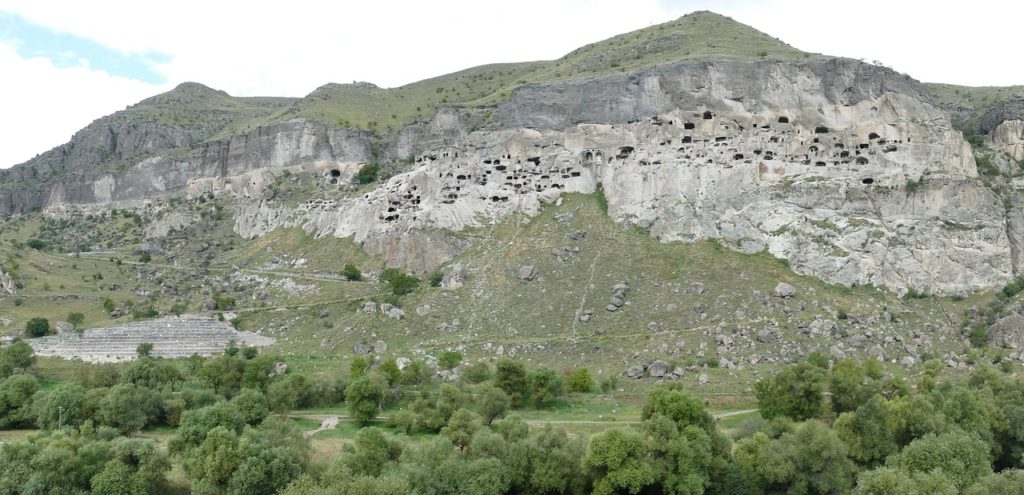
{"type": "Point", "coordinates": [37, 327]}
{"type": "Point", "coordinates": [351, 273]}
{"type": "Point", "coordinates": [617, 460]}
{"type": "Point", "coordinates": [358, 367]}
{"type": "Point", "coordinates": [510, 376]}
{"type": "Point", "coordinates": [962, 457]}
{"type": "Point", "coordinates": [363, 397]}
{"type": "Point", "coordinates": [371, 452]}
{"type": "Point", "coordinates": [461, 427]}
{"type": "Point", "coordinates": [252, 405]}
{"type": "Point", "coordinates": [797, 392]}
{"type": "Point", "coordinates": [76, 319]}
{"type": "Point", "coordinates": [493, 404]}
{"type": "Point", "coordinates": [889, 481]}
{"type": "Point", "coordinates": [400, 282]}
{"type": "Point", "coordinates": [62, 404]}
{"type": "Point", "coordinates": [129, 407]}
{"type": "Point", "coordinates": [869, 432]}
{"type": "Point", "coordinates": [15, 357]}
{"type": "Point", "coordinates": [366, 174]}
{"type": "Point", "coordinates": [850, 385]}
{"type": "Point", "coordinates": [580, 381]}
{"type": "Point", "coordinates": [16, 393]}
{"type": "Point", "coordinates": [477, 372]}
{"type": "Point", "coordinates": [811, 459]}
{"type": "Point", "coordinates": [1006, 482]}
{"type": "Point", "coordinates": [545, 385]}
{"type": "Point", "coordinates": [389, 368]}
{"type": "Point", "coordinates": [144, 350]}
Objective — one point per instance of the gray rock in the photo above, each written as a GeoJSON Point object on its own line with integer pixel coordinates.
{"type": "Point", "coordinates": [380, 347]}
{"type": "Point", "coordinates": [1008, 331]}
{"type": "Point", "coordinates": [578, 235]}
{"type": "Point", "coordinates": [368, 307]}
{"type": "Point", "coordinates": [653, 326]}
{"type": "Point", "coordinates": [611, 307]}
{"type": "Point", "coordinates": [635, 372]}
{"type": "Point", "coordinates": [424, 309]}
{"type": "Point", "coordinates": [703, 379]}
{"type": "Point", "coordinates": [454, 276]}
{"type": "Point", "coordinates": [765, 336]}
{"type": "Point", "coordinates": [63, 327]}
{"type": "Point", "coordinates": [908, 362]}
{"type": "Point", "coordinates": [527, 273]}
{"type": "Point", "coordinates": [324, 313]}
{"type": "Point", "coordinates": [362, 349]}
{"type": "Point", "coordinates": [658, 369]}
{"type": "Point", "coordinates": [617, 301]}
{"type": "Point", "coordinates": [396, 314]}
{"type": "Point", "coordinates": [209, 305]}
{"type": "Point", "coordinates": [585, 315]}
{"type": "Point", "coordinates": [876, 352]}
{"type": "Point", "coordinates": [402, 363]}
{"type": "Point", "coordinates": [784, 290]}
{"type": "Point", "coordinates": [280, 368]}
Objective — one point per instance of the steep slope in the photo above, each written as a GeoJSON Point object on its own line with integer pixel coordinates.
{"type": "Point", "coordinates": [187, 115]}
{"type": "Point", "coordinates": [700, 128]}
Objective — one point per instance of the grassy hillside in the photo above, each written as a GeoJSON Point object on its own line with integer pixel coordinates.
{"type": "Point", "coordinates": [969, 103]}
{"type": "Point", "coordinates": [697, 306]}
{"type": "Point", "coordinates": [697, 36]}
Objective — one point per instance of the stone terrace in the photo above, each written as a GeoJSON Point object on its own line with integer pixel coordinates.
{"type": "Point", "coordinates": [171, 337]}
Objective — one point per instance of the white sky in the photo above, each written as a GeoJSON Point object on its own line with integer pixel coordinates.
{"type": "Point", "coordinates": [290, 48]}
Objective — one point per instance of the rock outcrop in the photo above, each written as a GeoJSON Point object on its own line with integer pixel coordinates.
{"type": "Point", "coordinates": [845, 169]}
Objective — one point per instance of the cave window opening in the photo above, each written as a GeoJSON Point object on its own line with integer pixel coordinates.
{"type": "Point", "coordinates": [873, 135]}
{"type": "Point", "coordinates": [335, 173]}
{"type": "Point", "coordinates": [689, 125]}
{"type": "Point", "coordinates": [868, 180]}
{"type": "Point", "coordinates": [821, 130]}
{"type": "Point", "coordinates": [783, 120]}
{"type": "Point", "coordinates": [707, 115]}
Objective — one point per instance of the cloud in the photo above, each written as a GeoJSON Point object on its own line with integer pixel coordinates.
{"type": "Point", "coordinates": [44, 104]}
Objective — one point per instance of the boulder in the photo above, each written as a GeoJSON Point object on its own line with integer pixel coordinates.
{"type": "Point", "coordinates": [368, 307]}
{"type": "Point", "coordinates": [424, 309]}
{"type": "Point", "coordinates": [527, 273]}
{"type": "Point", "coordinates": [454, 276]}
{"type": "Point", "coordinates": [635, 372]}
{"type": "Point", "coordinates": [209, 305]}
{"type": "Point", "coordinates": [658, 369]}
{"type": "Point", "coordinates": [63, 327]}
{"type": "Point", "coordinates": [908, 362]}
{"type": "Point", "coordinates": [784, 290]}
{"type": "Point", "coordinates": [7, 284]}
{"type": "Point", "coordinates": [1008, 331]}
{"type": "Point", "coordinates": [765, 336]}
{"type": "Point", "coordinates": [402, 363]}
{"type": "Point", "coordinates": [380, 347]}
{"type": "Point", "coordinates": [396, 314]}
{"type": "Point", "coordinates": [362, 349]}
{"type": "Point", "coordinates": [280, 368]}
{"type": "Point", "coordinates": [324, 313]}
{"type": "Point", "coordinates": [822, 328]}
{"type": "Point", "coordinates": [703, 379]}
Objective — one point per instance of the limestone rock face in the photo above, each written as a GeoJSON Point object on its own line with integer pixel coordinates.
{"type": "Point", "coordinates": [7, 284]}
{"type": "Point", "coordinates": [1008, 137]}
{"type": "Point", "coordinates": [1008, 332]}
{"type": "Point", "coordinates": [845, 169]}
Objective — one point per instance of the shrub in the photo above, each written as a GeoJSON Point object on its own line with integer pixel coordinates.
{"type": "Point", "coordinates": [580, 381]}
{"type": "Point", "coordinates": [224, 303]}
{"type": "Point", "coordinates": [351, 273]}
{"type": "Point", "coordinates": [435, 278]}
{"type": "Point", "coordinates": [76, 319]}
{"type": "Point", "coordinates": [145, 258]}
{"type": "Point", "coordinates": [367, 174]}
{"type": "Point", "coordinates": [37, 327]}
{"type": "Point", "coordinates": [36, 244]}
{"type": "Point", "coordinates": [449, 359]}
{"type": "Point", "coordinates": [400, 282]}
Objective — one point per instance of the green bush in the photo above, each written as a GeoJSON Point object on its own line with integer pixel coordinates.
{"type": "Point", "coordinates": [351, 273]}
{"type": "Point", "coordinates": [580, 381]}
{"type": "Point", "coordinates": [37, 327]}
{"type": "Point", "coordinates": [36, 244]}
{"type": "Point", "coordinates": [145, 258]}
{"type": "Point", "coordinates": [435, 278]}
{"type": "Point", "coordinates": [367, 174]}
{"type": "Point", "coordinates": [400, 282]}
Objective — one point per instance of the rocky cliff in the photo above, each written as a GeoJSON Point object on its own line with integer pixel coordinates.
{"type": "Point", "coordinates": [848, 171]}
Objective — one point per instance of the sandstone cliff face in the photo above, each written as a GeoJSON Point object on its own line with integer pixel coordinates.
{"type": "Point", "coordinates": [1008, 137]}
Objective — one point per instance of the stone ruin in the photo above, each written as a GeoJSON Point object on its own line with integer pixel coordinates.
{"type": "Point", "coordinates": [172, 337]}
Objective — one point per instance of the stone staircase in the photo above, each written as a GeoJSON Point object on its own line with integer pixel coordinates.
{"type": "Point", "coordinates": [172, 337]}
